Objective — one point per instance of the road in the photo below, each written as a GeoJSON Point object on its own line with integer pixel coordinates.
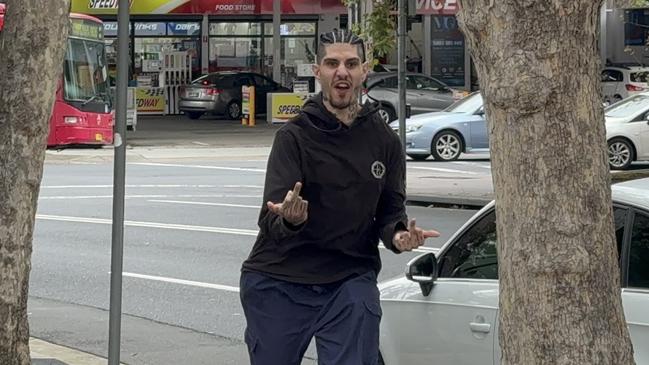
{"type": "Point", "coordinates": [189, 226]}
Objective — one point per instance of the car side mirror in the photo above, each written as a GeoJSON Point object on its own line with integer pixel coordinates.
{"type": "Point", "coordinates": [423, 270]}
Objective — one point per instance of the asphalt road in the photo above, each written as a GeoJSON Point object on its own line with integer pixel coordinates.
{"type": "Point", "coordinates": [189, 227]}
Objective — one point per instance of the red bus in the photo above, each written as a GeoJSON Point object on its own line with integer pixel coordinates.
{"type": "Point", "coordinates": [82, 113]}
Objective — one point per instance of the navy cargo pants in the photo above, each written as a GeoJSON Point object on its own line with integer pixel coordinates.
{"type": "Point", "coordinates": [283, 317]}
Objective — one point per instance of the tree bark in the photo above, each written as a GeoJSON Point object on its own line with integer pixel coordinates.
{"type": "Point", "coordinates": [32, 46]}
{"type": "Point", "coordinates": [538, 66]}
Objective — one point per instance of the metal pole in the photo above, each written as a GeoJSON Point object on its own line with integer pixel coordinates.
{"type": "Point", "coordinates": [277, 43]}
{"type": "Point", "coordinates": [119, 175]}
{"type": "Point", "coordinates": [403, 13]}
{"type": "Point", "coordinates": [603, 44]}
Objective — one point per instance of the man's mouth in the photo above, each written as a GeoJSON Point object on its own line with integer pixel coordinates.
{"type": "Point", "coordinates": [342, 86]}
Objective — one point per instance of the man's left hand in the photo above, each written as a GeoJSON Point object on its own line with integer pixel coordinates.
{"type": "Point", "coordinates": [412, 238]}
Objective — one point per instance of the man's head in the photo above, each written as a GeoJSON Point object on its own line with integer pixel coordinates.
{"type": "Point", "coordinates": [341, 68]}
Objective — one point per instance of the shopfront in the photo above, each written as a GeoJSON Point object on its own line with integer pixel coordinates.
{"type": "Point", "coordinates": [219, 35]}
{"type": "Point", "coordinates": [446, 54]}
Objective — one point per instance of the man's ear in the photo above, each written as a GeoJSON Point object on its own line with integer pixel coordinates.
{"type": "Point", "coordinates": [366, 69]}
{"type": "Point", "coordinates": [316, 70]}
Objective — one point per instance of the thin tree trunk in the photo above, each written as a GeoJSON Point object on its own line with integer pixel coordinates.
{"type": "Point", "coordinates": [538, 66]}
{"type": "Point", "coordinates": [32, 46]}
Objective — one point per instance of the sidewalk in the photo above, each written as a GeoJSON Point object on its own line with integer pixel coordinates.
{"type": "Point", "coordinates": [86, 329]}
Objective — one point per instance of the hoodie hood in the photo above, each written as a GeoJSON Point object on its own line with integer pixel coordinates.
{"type": "Point", "coordinates": [318, 114]}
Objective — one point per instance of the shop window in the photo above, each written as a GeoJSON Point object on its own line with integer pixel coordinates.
{"type": "Point", "coordinates": [636, 26]}
{"type": "Point", "coordinates": [236, 53]}
{"type": "Point", "coordinates": [291, 29]}
{"type": "Point", "coordinates": [294, 51]}
{"type": "Point", "coordinates": [235, 28]}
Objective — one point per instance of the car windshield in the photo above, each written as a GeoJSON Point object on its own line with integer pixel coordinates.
{"type": "Point", "coordinates": [628, 107]}
{"type": "Point", "coordinates": [470, 104]}
{"type": "Point", "coordinates": [85, 72]}
{"type": "Point", "coordinates": [639, 76]}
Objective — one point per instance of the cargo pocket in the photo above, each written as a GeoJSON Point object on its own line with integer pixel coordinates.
{"type": "Point", "coordinates": [374, 308]}
{"type": "Point", "coordinates": [251, 341]}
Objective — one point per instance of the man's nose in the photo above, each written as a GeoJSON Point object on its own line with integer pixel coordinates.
{"type": "Point", "coordinates": [342, 70]}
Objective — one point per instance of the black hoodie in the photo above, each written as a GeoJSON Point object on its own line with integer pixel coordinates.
{"type": "Point", "coordinates": [354, 180]}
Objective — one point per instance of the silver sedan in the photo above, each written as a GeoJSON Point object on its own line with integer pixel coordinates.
{"type": "Point", "coordinates": [445, 310]}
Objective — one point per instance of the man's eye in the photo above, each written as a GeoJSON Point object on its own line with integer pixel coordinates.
{"type": "Point", "coordinates": [352, 64]}
{"type": "Point", "coordinates": [331, 63]}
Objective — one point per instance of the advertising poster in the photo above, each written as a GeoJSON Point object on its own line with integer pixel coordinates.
{"type": "Point", "coordinates": [447, 44]}
{"type": "Point", "coordinates": [150, 100]}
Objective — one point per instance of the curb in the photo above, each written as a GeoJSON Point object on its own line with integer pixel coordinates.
{"type": "Point", "coordinates": [459, 202]}
{"type": "Point", "coordinates": [45, 353]}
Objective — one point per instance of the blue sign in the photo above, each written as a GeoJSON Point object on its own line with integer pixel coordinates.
{"type": "Point", "coordinates": [183, 29]}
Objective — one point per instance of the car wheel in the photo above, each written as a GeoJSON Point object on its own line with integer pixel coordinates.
{"type": "Point", "coordinates": [194, 115]}
{"type": "Point", "coordinates": [418, 157]}
{"type": "Point", "coordinates": [447, 146]}
{"type": "Point", "coordinates": [386, 113]}
{"type": "Point", "coordinates": [234, 110]}
{"type": "Point", "coordinates": [616, 98]}
{"type": "Point", "coordinates": [620, 153]}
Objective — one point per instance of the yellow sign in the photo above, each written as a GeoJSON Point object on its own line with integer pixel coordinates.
{"type": "Point", "coordinates": [86, 29]}
{"type": "Point", "coordinates": [97, 7]}
{"type": "Point", "coordinates": [150, 100]}
{"type": "Point", "coordinates": [285, 106]}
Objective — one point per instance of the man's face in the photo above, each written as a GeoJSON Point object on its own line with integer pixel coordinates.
{"type": "Point", "coordinates": [341, 74]}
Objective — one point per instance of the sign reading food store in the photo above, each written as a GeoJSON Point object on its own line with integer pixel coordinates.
{"type": "Point", "coordinates": [220, 7]}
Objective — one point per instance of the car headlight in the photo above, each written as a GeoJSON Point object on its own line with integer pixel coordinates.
{"type": "Point", "coordinates": [413, 128]}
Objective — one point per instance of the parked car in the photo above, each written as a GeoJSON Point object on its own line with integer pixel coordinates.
{"type": "Point", "coordinates": [460, 128]}
{"type": "Point", "coordinates": [627, 131]}
{"type": "Point", "coordinates": [220, 94]}
{"type": "Point", "coordinates": [623, 81]}
{"type": "Point", "coordinates": [423, 93]}
{"type": "Point", "coordinates": [445, 310]}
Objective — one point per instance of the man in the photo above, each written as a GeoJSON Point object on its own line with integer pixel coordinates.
{"type": "Point", "coordinates": [334, 186]}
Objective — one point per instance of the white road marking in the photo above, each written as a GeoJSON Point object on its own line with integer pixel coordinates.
{"type": "Point", "coordinates": [199, 167]}
{"type": "Point", "coordinates": [476, 164]}
{"type": "Point", "coordinates": [244, 186]}
{"type": "Point", "coordinates": [183, 227]}
{"type": "Point", "coordinates": [206, 203]}
{"type": "Point", "coordinates": [200, 143]}
{"type": "Point", "coordinates": [64, 197]}
{"type": "Point", "coordinates": [128, 186]}
{"type": "Point", "coordinates": [199, 284]}
{"type": "Point", "coordinates": [438, 169]}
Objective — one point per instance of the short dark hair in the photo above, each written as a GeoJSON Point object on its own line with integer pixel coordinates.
{"type": "Point", "coordinates": [340, 36]}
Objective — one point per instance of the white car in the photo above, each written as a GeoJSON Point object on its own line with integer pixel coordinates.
{"type": "Point", "coordinates": [627, 131]}
{"type": "Point", "coordinates": [621, 82]}
{"type": "Point", "coordinates": [445, 311]}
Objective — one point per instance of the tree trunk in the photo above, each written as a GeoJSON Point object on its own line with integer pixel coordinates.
{"type": "Point", "coordinates": [538, 66]}
{"type": "Point", "coordinates": [32, 46]}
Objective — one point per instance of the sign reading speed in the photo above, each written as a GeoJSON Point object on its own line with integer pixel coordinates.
{"type": "Point", "coordinates": [285, 106]}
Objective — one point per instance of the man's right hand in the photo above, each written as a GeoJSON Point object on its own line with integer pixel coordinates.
{"type": "Point", "coordinates": [293, 209]}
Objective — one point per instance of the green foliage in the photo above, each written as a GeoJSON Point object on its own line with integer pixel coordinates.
{"type": "Point", "coordinates": [378, 28]}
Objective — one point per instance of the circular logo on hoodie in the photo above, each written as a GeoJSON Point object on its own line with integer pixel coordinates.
{"type": "Point", "coordinates": [378, 169]}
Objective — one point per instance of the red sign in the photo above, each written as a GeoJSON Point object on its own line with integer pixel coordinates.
{"type": "Point", "coordinates": [230, 7]}
{"type": "Point", "coordinates": [438, 7]}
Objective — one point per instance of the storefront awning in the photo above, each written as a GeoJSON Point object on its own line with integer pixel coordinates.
{"type": "Point", "coordinates": [214, 7]}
